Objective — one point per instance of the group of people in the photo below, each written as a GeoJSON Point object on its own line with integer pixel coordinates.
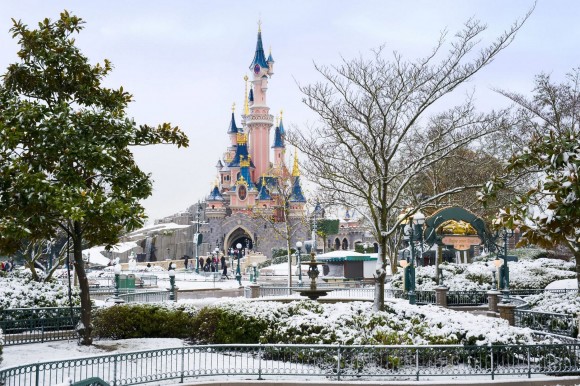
{"type": "Point", "coordinates": [213, 264]}
{"type": "Point", "coordinates": [6, 266]}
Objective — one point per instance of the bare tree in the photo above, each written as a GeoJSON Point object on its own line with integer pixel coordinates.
{"type": "Point", "coordinates": [378, 131]}
{"type": "Point", "coordinates": [286, 215]}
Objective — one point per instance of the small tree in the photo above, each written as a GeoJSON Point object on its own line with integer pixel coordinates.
{"type": "Point", "coordinates": [378, 130]}
{"type": "Point", "coordinates": [65, 161]}
{"type": "Point", "coordinates": [286, 222]}
{"type": "Point", "coordinates": [549, 212]}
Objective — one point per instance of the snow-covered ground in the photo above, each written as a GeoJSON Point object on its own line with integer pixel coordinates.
{"type": "Point", "coordinates": [42, 352]}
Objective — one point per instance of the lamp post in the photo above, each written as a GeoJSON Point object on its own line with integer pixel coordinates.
{"type": "Point", "coordinates": [412, 231]}
{"type": "Point", "coordinates": [171, 282]}
{"type": "Point", "coordinates": [493, 270]}
{"type": "Point", "coordinates": [504, 273]}
{"type": "Point", "coordinates": [116, 298]}
{"type": "Point", "coordinates": [299, 261]}
{"type": "Point", "coordinates": [255, 267]}
{"type": "Point", "coordinates": [196, 238]}
{"type": "Point", "coordinates": [365, 246]}
{"type": "Point", "coordinates": [315, 225]}
{"type": "Point", "coordinates": [238, 272]}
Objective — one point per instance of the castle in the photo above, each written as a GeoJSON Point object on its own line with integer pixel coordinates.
{"type": "Point", "coordinates": [255, 199]}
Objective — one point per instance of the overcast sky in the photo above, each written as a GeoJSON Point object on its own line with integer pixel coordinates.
{"type": "Point", "coordinates": [184, 61]}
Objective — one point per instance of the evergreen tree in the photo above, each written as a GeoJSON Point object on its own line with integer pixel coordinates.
{"type": "Point", "coordinates": [549, 213]}
{"type": "Point", "coordinates": [65, 157]}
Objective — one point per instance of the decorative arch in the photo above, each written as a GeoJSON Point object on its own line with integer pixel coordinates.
{"type": "Point", "coordinates": [236, 235]}
{"type": "Point", "coordinates": [344, 244]}
{"type": "Point", "coordinates": [458, 214]}
{"type": "Point", "coordinates": [337, 244]}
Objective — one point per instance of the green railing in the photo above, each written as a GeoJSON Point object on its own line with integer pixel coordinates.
{"type": "Point", "coordinates": [93, 381]}
{"type": "Point", "coordinates": [561, 324]}
{"type": "Point", "coordinates": [331, 362]}
{"type": "Point", "coordinates": [32, 325]}
{"type": "Point", "coordinates": [145, 296]}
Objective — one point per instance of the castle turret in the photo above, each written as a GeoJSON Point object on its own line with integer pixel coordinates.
{"type": "Point", "coordinates": [260, 121]}
{"type": "Point", "coordinates": [279, 146]}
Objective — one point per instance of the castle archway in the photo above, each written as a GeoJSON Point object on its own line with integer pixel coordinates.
{"type": "Point", "coordinates": [239, 235]}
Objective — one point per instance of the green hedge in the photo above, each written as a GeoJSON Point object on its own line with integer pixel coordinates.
{"type": "Point", "coordinates": [208, 325]}
{"type": "Point", "coordinates": [141, 321]}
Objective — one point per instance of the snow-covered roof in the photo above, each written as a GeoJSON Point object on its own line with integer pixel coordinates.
{"type": "Point", "coordinates": [145, 231]}
{"type": "Point", "coordinates": [96, 255]}
{"type": "Point", "coordinates": [344, 256]}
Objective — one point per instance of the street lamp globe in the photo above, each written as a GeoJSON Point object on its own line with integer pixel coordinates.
{"type": "Point", "coordinates": [239, 246]}
{"type": "Point", "coordinates": [419, 218]}
{"type": "Point", "coordinates": [298, 244]}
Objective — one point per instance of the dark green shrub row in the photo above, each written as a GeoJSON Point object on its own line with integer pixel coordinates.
{"type": "Point", "coordinates": [141, 321]}
{"type": "Point", "coordinates": [208, 325]}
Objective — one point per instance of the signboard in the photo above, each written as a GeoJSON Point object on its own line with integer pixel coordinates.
{"type": "Point", "coordinates": [461, 243]}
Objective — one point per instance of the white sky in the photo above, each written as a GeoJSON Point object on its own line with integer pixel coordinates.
{"type": "Point", "coordinates": [184, 60]}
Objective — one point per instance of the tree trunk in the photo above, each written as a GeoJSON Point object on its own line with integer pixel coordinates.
{"type": "Point", "coordinates": [577, 257]}
{"type": "Point", "coordinates": [380, 275]}
{"type": "Point", "coordinates": [84, 327]}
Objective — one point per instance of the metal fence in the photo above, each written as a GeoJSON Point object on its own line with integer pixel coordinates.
{"type": "Point", "coordinates": [331, 362]}
{"type": "Point", "coordinates": [145, 296]}
{"type": "Point", "coordinates": [561, 324]}
{"type": "Point", "coordinates": [130, 295]}
{"type": "Point", "coordinates": [32, 325]}
{"type": "Point", "coordinates": [466, 298]}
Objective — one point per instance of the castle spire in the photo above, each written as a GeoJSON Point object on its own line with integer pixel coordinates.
{"type": "Point", "coordinates": [246, 108]}
{"type": "Point", "coordinates": [295, 169]}
{"type": "Point", "coordinates": [233, 127]}
{"type": "Point", "coordinates": [259, 61]}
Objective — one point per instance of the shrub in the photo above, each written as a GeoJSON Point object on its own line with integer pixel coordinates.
{"type": "Point", "coordinates": [141, 321]}
{"type": "Point", "coordinates": [222, 326]}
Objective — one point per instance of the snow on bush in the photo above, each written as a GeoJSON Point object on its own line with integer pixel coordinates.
{"type": "Point", "coordinates": [477, 276]}
{"type": "Point", "coordinates": [558, 303]}
{"type": "Point", "coordinates": [308, 322]}
{"type": "Point", "coordinates": [18, 290]}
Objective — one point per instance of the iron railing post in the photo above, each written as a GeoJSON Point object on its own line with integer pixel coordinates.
{"type": "Point", "coordinates": [529, 364]}
{"type": "Point", "coordinates": [260, 362]}
{"type": "Point", "coordinates": [417, 361]}
{"type": "Point", "coordinates": [338, 362]}
{"type": "Point", "coordinates": [182, 364]}
{"type": "Point", "coordinates": [37, 382]}
{"type": "Point", "coordinates": [115, 370]}
{"type": "Point", "coordinates": [491, 356]}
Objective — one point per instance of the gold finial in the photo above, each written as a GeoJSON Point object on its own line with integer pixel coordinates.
{"type": "Point", "coordinates": [246, 97]}
{"type": "Point", "coordinates": [277, 120]}
{"type": "Point", "coordinates": [295, 170]}
{"type": "Point", "coordinates": [281, 113]}
{"type": "Point", "coordinates": [242, 138]}
{"type": "Point", "coordinates": [233, 107]}
{"type": "Point", "coordinates": [259, 25]}
{"type": "Point", "coordinates": [270, 50]}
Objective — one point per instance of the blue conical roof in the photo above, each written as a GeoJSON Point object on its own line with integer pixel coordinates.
{"type": "Point", "coordinates": [270, 58]}
{"type": "Point", "coordinates": [215, 195]}
{"type": "Point", "coordinates": [297, 195]}
{"type": "Point", "coordinates": [233, 127]}
{"type": "Point", "coordinates": [282, 131]}
{"type": "Point", "coordinates": [263, 194]}
{"type": "Point", "coordinates": [241, 152]}
{"type": "Point", "coordinates": [259, 57]}
{"type": "Point", "coordinates": [278, 138]}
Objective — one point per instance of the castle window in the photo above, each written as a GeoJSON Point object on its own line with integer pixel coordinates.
{"type": "Point", "coordinates": [213, 206]}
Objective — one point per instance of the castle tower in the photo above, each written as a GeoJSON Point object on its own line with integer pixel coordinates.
{"type": "Point", "coordinates": [279, 146]}
{"type": "Point", "coordinates": [260, 121]}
